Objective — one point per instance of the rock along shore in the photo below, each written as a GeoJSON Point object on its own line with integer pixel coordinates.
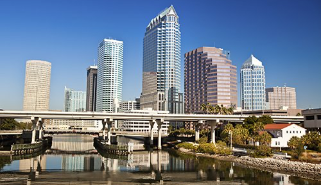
{"type": "Point", "coordinates": [299, 169]}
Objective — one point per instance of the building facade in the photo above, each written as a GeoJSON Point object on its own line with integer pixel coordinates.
{"type": "Point", "coordinates": [37, 86]}
{"type": "Point", "coordinates": [282, 133]}
{"type": "Point", "coordinates": [144, 126]}
{"type": "Point", "coordinates": [161, 64]}
{"type": "Point", "coordinates": [312, 119]}
{"type": "Point", "coordinates": [209, 77]}
{"type": "Point", "coordinates": [129, 105]}
{"type": "Point", "coordinates": [75, 101]}
{"type": "Point", "coordinates": [278, 97]}
{"type": "Point", "coordinates": [61, 124]}
{"type": "Point", "coordinates": [109, 75]}
{"type": "Point", "coordinates": [91, 92]}
{"type": "Point", "coordinates": [252, 85]}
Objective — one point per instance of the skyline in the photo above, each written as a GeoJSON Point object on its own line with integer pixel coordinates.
{"type": "Point", "coordinates": [280, 47]}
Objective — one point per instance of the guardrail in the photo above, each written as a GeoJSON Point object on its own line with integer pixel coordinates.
{"type": "Point", "coordinates": [26, 148]}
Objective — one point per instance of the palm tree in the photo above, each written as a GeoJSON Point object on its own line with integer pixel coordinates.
{"type": "Point", "coordinates": [204, 107]}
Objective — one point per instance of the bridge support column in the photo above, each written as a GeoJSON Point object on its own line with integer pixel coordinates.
{"type": "Point", "coordinates": [109, 122]}
{"type": "Point", "coordinates": [151, 123]}
{"type": "Point", "coordinates": [159, 127]}
{"type": "Point", "coordinates": [104, 129]}
{"type": "Point", "coordinates": [197, 130]}
{"type": "Point", "coordinates": [40, 129]}
{"type": "Point", "coordinates": [34, 128]}
{"type": "Point", "coordinates": [213, 126]}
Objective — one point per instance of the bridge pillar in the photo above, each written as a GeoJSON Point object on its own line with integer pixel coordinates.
{"type": "Point", "coordinates": [104, 129]}
{"type": "Point", "coordinates": [151, 123]}
{"type": "Point", "coordinates": [197, 130]}
{"type": "Point", "coordinates": [159, 126]}
{"type": "Point", "coordinates": [34, 128]}
{"type": "Point", "coordinates": [40, 129]}
{"type": "Point", "coordinates": [109, 122]}
{"type": "Point", "coordinates": [213, 126]}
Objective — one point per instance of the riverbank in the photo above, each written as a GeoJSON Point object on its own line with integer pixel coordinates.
{"type": "Point", "coordinates": [299, 169]}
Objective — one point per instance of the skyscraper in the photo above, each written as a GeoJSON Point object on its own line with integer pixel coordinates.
{"type": "Point", "coordinates": [109, 75]}
{"type": "Point", "coordinates": [161, 63]}
{"type": "Point", "coordinates": [91, 88]}
{"type": "Point", "coordinates": [37, 86]}
{"type": "Point", "coordinates": [75, 101]}
{"type": "Point", "coordinates": [253, 84]}
{"type": "Point", "coordinates": [277, 97]}
{"type": "Point", "coordinates": [210, 77]}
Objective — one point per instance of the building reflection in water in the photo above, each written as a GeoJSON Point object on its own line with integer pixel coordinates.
{"type": "Point", "coordinates": [155, 162]}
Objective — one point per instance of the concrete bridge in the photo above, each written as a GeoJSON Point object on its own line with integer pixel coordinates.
{"type": "Point", "coordinates": [37, 117]}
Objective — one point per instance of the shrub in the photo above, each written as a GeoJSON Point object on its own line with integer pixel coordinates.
{"type": "Point", "coordinates": [206, 148]}
{"type": "Point", "coordinates": [203, 140]}
{"type": "Point", "coordinates": [319, 147]}
{"type": "Point", "coordinates": [262, 151]}
{"type": "Point", "coordinates": [185, 145]}
{"type": "Point", "coordinates": [174, 133]}
{"type": "Point", "coordinates": [222, 149]}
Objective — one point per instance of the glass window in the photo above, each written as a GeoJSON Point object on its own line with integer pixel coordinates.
{"type": "Point", "coordinates": [309, 117]}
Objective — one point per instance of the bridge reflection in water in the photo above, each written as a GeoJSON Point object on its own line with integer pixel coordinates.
{"type": "Point", "coordinates": [139, 167]}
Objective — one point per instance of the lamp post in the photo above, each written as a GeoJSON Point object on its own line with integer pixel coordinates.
{"type": "Point", "coordinates": [231, 134]}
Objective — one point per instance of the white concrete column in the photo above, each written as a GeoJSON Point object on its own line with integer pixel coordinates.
{"type": "Point", "coordinates": [197, 130]}
{"type": "Point", "coordinates": [159, 125]}
{"type": "Point", "coordinates": [104, 121]}
{"type": "Point", "coordinates": [40, 129]}
{"type": "Point", "coordinates": [151, 124]}
{"type": "Point", "coordinates": [213, 126]}
{"type": "Point", "coordinates": [34, 129]}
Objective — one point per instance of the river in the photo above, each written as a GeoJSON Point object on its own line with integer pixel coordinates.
{"type": "Point", "coordinates": [73, 159]}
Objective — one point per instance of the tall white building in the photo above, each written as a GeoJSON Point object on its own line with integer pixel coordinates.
{"type": "Point", "coordinates": [252, 85]}
{"type": "Point", "coordinates": [75, 101]}
{"type": "Point", "coordinates": [37, 86]}
{"type": "Point", "coordinates": [109, 75]}
{"type": "Point", "coordinates": [161, 64]}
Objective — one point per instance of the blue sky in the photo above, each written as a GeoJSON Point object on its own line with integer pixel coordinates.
{"type": "Point", "coordinates": [285, 35]}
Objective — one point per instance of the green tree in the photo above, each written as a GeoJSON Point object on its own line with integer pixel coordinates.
{"type": "Point", "coordinates": [225, 134]}
{"type": "Point", "coordinates": [298, 114]}
{"type": "Point", "coordinates": [312, 140]}
{"type": "Point", "coordinates": [294, 142]}
{"type": "Point", "coordinates": [182, 131]}
{"type": "Point", "coordinates": [265, 119]}
{"type": "Point", "coordinates": [240, 135]}
{"type": "Point", "coordinates": [264, 138]}
{"type": "Point", "coordinates": [9, 124]}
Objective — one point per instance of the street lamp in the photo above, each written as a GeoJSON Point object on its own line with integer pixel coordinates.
{"type": "Point", "coordinates": [231, 134]}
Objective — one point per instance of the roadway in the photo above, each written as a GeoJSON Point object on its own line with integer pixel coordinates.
{"type": "Point", "coordinates": [135, 116]}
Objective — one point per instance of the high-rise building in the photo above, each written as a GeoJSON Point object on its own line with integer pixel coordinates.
{"type": "Point", "coordinates": [252, 85]}
{"type": "Point", "coordinates": [129, 105]}
{"type": "Point", "coordinates": [75, 101]}
{"type": "Point", "coordinates": [91, 88]}
{"type": "Point", "coordinates": [161, 64]}
{"type": "Point", "coordinates": [278, 97]}
{"type": "Point", "coordinates": [210, 77]}
{"type": "Point", "coordinates": [37, 86]}
{"type": "Point", "coordinates": [109, 75]}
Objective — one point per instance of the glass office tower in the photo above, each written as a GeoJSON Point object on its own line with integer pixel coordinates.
{"type": "Point", "coordinates": [161, 63]}
{"type": "Point", "coordinates": [75, 101]}
{"type": "Point", "coordinates": [253, 85]}
{"type": "Point", "coordinates": [109, 75]}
